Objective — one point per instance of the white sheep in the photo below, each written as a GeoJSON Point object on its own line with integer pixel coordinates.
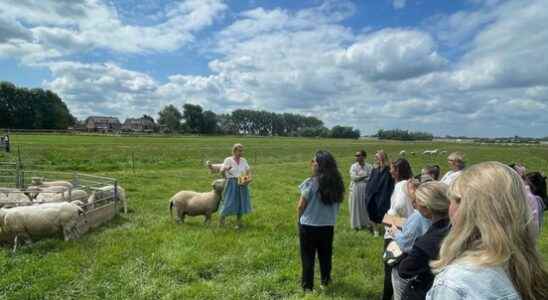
{"type": "Point", "coordinates": [44, 220]}
{"type": "Point", "coordinates": [108, 192]}
{"type": "Point", "coordinates": [403, 153]}
{"type": "Point", "coordinates": [60, 193]}
{"type": "Point", "coordinates": [193, 203]}
{"type": "Point", "coordinates": [430, 152]}
{"type": "Point", "coordinates": [12, 195]}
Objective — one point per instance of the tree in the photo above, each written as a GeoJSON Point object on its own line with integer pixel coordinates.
{"type": "Point", "coordinates": [147, 117]}
{"type": "Point", "coordinates": [344, 132]}
{"type": "Point", "coordinates": [209, 122]}
{"type": "Point", "coordinates": [170, 118]}
{"type": "Point", "coordinates": [194, 118]}
{"type": "Point", "coordinates": [22, 108]}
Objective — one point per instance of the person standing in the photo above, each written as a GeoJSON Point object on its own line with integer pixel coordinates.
{"type": "Point", "coordinates": [317, 210]}
{"type": "Point", "coordinates": [456, 162]}
{"type": "Point", "coordinates": [359, 176]}
{"type": "Point", "coordinates": [401, 207]}
{"type": "Point", "coordinates": [414, 269]}
{"type": "Point", "coordinates": [379, 190]}
{"type": "Point", "coordinates": [490, 251]}
{"type": "Point", "coordinates": [236, 198]}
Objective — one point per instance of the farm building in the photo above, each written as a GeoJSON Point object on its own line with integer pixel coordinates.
{"type": "Point", "coordinates": [104, 124]}
{"type": "Point", "coordinates": [138, 125]}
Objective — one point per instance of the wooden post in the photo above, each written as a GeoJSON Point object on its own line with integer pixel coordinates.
{"type": "Point", "coordinates": [133, 161]}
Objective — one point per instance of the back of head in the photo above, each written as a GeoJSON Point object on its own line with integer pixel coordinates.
{"type": "Point", "coordinates": [537, 183]}
{"type": "Point", "coordinates": [492, 227]}
{"type": "Point", "coordinates": [432, 171]}
{"type": "Point", "coordinates": [404, 168]}
{"type": "Point", "coordinates": [433, 195]}
{"type": "Point", "coordinates": [331, 186]}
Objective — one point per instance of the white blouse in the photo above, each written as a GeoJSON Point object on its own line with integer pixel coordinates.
{"type": "Point", "coordinates": [450, 176]}
{"type": "Point", "coordinates": [357, 172]}
{"type": "Point", "coordinates": [232, 169]}
{"type": "Point", "coordinates": [400, 204]}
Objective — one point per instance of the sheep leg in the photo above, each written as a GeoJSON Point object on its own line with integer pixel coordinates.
{"type": "Point", "coordinates": [207, 218]}
{"type": "Point", "coordinates": [15, 242]}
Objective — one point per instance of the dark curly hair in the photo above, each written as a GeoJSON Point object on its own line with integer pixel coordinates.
{"type": "Point", "coordinates": [331, 185]}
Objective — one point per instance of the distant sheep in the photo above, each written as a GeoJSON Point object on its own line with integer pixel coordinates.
{"type": "Point", "coordinates": [403, 153]}
{"type": "Point", "coordinates": [44, 220]}
{"type": "Point", "coordinates": [193, 203]}
{"type": "Point", "coordinates": [430, 152]}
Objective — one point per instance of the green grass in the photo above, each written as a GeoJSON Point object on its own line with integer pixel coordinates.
{"type": "Point", "coordinates": [145, 255]}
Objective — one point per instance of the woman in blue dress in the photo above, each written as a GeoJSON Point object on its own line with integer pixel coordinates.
{"type": "Point", "coordinates": [236, 199]}
{"type": "Point", "coordinates": [318, 207]}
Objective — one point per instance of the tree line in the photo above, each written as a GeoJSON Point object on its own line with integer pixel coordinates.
{"type": "Point", "coordinates": [195, 120]}
{"type": "Point", "coordinates": [22, 108]}
{"type": "Point", "coordinates": [403, 135]}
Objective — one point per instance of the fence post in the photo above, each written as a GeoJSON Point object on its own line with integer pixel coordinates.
{"type": "Point", "coordinates": [19, 170]}
{"type": "Point", "coordinates": [115, 193]}
{"type": "Point", "coordinates": [133, 161]}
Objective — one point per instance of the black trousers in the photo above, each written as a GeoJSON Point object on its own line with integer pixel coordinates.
{"type": "Point", "coordinates": [315, 239]}
{"type": "Point", "coordinates": [388, 290]}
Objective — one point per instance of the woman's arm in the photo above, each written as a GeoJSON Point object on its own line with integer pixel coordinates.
{"type": "Point", "coordinates": [301, 206]}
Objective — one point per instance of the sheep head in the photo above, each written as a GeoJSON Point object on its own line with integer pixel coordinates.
{"type": "Point", "coordinates": [218, 185]}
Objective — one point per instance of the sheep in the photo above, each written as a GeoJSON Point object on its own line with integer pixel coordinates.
{"type": "Point", "coordinates": [59, 194]}
{"type": "Point", "coordinates": [430, 152]}
{"type": "Point", "coordinates": [214, 168]}
{"type": "Point", "coordinates": [38, 185]}
{"type": "Point", "coordinates": [108, 191]}
{"type": "Point", "coordinates": [403, 153]}
{"type": "Point", "coordinates": [42, 220]}
{"type": "Point", "coordinates": [193, 203]}
{"type": "Point", "coordinates": [11, 195]}
{"type": "Point", "coordinates": [413, 153]}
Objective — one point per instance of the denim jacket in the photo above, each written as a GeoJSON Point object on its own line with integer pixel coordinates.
{"type": "Point", "coordinates": [465, 281]}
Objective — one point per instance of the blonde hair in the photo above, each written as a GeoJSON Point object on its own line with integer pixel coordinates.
{"type": "Point", "coordinates": [433, 195]}
{"type": "Point", "coordinates": [457, 157]}
{"type": "Point", "coordinates": [236, 147]}
{"type": "Point", "coordinates": [492, 227]}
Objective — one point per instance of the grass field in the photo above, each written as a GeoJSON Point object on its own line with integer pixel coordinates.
{"type": "Point", "coordinates": [144, 255]}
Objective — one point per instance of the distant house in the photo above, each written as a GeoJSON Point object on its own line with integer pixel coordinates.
{"type": "Point", "coordinates": [138, 125]}
{"type": "Point", "coordinates": [104, 124]}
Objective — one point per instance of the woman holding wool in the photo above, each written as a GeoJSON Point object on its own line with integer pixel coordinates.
{"type": "Point", "coordinates": [236, 198]}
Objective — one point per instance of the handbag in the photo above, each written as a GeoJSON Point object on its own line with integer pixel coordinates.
{"type": "Point", "coordinates": [393, 254]}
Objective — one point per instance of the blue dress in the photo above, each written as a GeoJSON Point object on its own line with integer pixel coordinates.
{"type": "Point", "coordinates": [236, 199]}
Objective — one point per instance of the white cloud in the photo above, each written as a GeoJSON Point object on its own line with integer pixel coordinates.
{"type": "Point", "coordinates": [393, 54]}
{"type": "Point", "coordinates": [73, 26]}
{"type": "Point", "coordinates": [308, 62]}
{"type": "Point", "coordinates": [399, 4]}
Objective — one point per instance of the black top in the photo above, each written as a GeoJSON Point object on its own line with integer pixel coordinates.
{"type": "Point", "coordinates": [415, 264]}
{"type": "Point", "coordinates": [378, 192]}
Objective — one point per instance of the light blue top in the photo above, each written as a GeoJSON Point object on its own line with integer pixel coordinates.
{"type": "Point", "coordinates": [316, 213]}
{"type": "Point", "coordinates": [415, 226]}
{"type": "Point", "coordinates": [464, 281]}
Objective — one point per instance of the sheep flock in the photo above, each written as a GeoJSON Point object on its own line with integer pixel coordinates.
{"type": "Point", "coordinates": [50, 209]}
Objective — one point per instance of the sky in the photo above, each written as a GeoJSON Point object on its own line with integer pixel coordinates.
{"type": "Point", "coordinates": [468, 67]}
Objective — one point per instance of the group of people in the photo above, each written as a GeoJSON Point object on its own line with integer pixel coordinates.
{"type": "Point", "coordinates": [469, 235]}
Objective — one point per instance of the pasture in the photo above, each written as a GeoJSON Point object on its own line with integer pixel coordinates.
{"type": "Point", "coordinates": [145, 255]}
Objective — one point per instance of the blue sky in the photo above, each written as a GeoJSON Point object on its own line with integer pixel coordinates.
{"type": "Point", "coordinates": [470, 67]}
